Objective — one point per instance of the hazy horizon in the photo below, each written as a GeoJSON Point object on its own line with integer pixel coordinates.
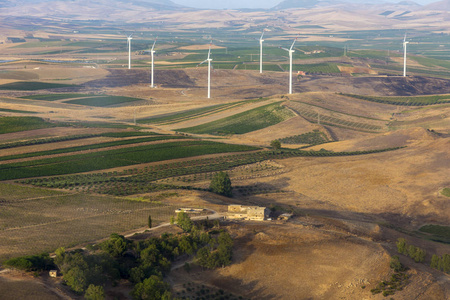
{"type": "Point", "coordinates": [234, 4]}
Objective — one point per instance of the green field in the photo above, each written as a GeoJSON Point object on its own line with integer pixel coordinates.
{"type": "Point", "coordinates": [114, 158]}
{"type": "Point", "coordinates": [405, 100]}
{"type": "Point", "coordinates": [438, 233]}
{"type": "Point", "coordinates": [14, 124]}
{"type": "Point", "coordinates": [32, 86]}
{"type": "Point", "coordinates": [34, 220]}
{"type": "Point", "coordinates": [91, 147]}
{"type": "Point", "coordinates": [101, 101]}
{"type": "Point", "coordinates": [17, 111]}
{"type": "Point", "coordinates": [251, 120]}
{"type": "Point", "coordinates": [54, 97]}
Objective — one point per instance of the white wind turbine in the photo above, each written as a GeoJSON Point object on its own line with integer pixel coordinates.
{"type": "Point", "coordinates": [261, 52]}
{"type": "Point", "coordinates": [291, 51]}
{"type": "Point", "coordinates": [152, 53]}
{"type": "Point", "coordinates": [405, 42]}
{"type": "Point", "coordinates": [129, 38]}
{"type": "Point", "coordinates": [209, 60]}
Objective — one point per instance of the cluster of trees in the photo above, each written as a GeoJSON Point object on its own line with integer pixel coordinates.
{"type": "Point", "coordinates": [441, 263]}
{"type": "Point", "coordinates": [216, 254]}
{"type": "Point", "coordinates": [143, 263]}
{"type": "Point", "coordinates": [412, 251]}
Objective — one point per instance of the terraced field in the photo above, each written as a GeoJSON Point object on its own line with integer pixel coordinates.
{"type": "Point", "coordinates": [192, 114]}
{"type": "Point", "coordinates": [317, 114]}
{"type": "Point", "coordinates": [244, 122]}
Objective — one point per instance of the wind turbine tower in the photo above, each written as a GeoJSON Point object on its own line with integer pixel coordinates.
{"type": "Point", "coordinates": [209, 60]}
{"type": "Point", "coordinates": [129, 38]}
{"type": "Point", "coordinates": [405, 42]}
{"type": "Point", "coordinates": [291, 51]}
{"type": "Point", "coordinates": [152, 53]}
{"type": "Point", "coordinates": [261, 52]}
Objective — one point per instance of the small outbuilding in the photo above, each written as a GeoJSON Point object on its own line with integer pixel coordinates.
{"type": "Point", "coordinates": [53, 273]}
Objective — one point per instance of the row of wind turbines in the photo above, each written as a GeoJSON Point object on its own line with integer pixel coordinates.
{"type": "Point", "coordinates": [261, 40]}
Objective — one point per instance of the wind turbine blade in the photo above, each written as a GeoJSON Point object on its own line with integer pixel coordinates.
{"type": "Point", "coordinates": [284, 48]}
{"type": "Point", "coordinates": [261, 35]}
{"type": "Point", "coordinates": [209, 51]}
{"type": "Point", "coordinates": [292, 46]}
{"type": "Point", "coordinates": [202, 62]}
{"type": "Point", "coordinates": [154, 43]}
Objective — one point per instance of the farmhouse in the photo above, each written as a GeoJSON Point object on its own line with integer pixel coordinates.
{"type": "Point", "coordinates": [256, 213]}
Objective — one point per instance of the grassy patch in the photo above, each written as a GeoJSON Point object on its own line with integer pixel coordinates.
{"type": "Point", "coordinates": [445, 192]}
{"type": "Point", "coordinates": [32, 86]}
{"type": "Point", "coordinates": [102, 101]}
{"type": "Point", "coordinates": [15, 124]}
{"type": "Point", "coordinates": [251, 120]}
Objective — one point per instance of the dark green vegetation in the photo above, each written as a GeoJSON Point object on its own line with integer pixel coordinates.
{"type": "Point", "coordinates": [114, 158]}
{"type": "Point", "coordinates": [442, 233]}
{"type": "Point", "coordinates": [142, 263]}
{"type": "Point", "coordinates": [54, 97]}
{"type": "Point", "coordinates": [143, 180]}
{"type": "Point", "coordinates": [17, 111]}
{"type": "Point", "coordinates": [31, 262]}
{"type": "Point", "coordinates": [251, 120]}
{"type": "Point", "coordinates": [93, 146]}
{"type": "Point", "coordinates": [221, 184]}
{"type": "Point", "coordinates": [102, 101]}
{"type": "Point", "coordinates": [398, 281]}
{"type": "Point", "coordinates": [73, 137]}
{"type": "Point", "coordinates": [32, 86]}
{"type": "Point", "coordinates": [14, 124]}
{"type": "Point", "coordinates": [315, 137]}
{"type": "Point", "coordinates": [405, 101]}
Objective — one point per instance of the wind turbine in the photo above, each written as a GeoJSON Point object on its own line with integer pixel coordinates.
{"type": "Point", "coordinates": [209, 60]}
{"type": "Point", "coordinates": [291, 51]}
{"type": "Point", "coordinates": [153, 52]}
{"type": "Point", "coordinates": [129, 38]}
{"type": "Point", "coordinates": [405, 42]}
{"type": "Point", "coordinates": [260, 52]}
